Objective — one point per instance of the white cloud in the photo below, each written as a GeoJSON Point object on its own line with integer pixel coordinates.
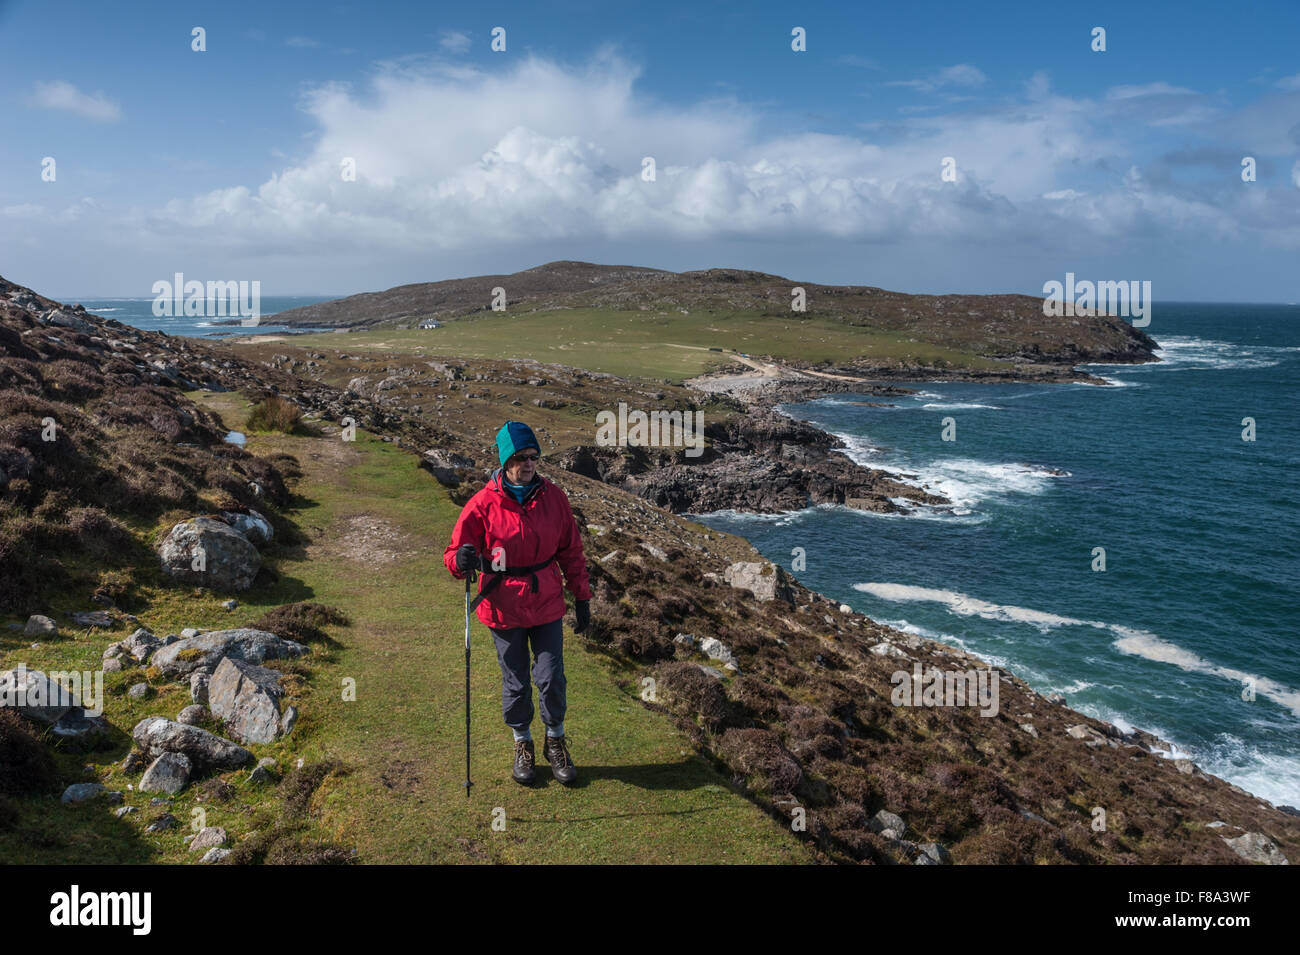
{"type": "Point", "coordinates": [541, 152]}
{"type": "Point", "coordinates": [1147, 89]}
{"type": "Point", "coordinates": [302, 42]}
{"type": "Point", "coordinates": [63, 95]}
{"type": "Point", "coordinates": [963, 74]}
{"type": "Point", "coordinates": [1162, 104]}
{"type": "Point", "coordinates": [456, 162]}
{"type": "Point", "coordinates": [1291, 83]}
{"type": "Point", "coordinates": [454, 41]}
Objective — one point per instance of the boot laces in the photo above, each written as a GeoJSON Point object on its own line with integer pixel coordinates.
{"type": "Point", "coordinates": [523, 753]}
{"type": "Point", "coordinates": [558, 751]}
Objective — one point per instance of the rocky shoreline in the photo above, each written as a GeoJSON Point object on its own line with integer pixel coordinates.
{"type": "Point", "coordinates": [763, 461]}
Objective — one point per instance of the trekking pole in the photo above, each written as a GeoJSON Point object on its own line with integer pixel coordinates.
{"type": "Point", "coordinates": [468, 577]}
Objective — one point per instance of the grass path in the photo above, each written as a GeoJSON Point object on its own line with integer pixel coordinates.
{"type": "Point", "coordinates": [378, 526]}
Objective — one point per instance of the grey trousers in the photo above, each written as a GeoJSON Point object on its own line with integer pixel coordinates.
{"type": "Point", "coordinates": [547, 642]}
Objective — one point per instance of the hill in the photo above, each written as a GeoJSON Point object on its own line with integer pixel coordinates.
{"type": "Point", "coordinates": [1008, 328]}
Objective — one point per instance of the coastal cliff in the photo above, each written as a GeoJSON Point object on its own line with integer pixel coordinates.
{"type": "Point", "coordinates": [790, 696]}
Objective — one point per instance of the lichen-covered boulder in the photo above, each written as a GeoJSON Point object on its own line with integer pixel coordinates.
{"type": "Point", "coordinates": [204, 652]}
{"type": "Point", "coordinates": [247, 698]}
{"type": "Point", "coordinates": [210, 553]}
{"type": "Point", "coordinates": [156, 735]}
{"type": "Point", "coordinates": [169, 773]}
{"type": "Point", "coordinates": [765, 581]}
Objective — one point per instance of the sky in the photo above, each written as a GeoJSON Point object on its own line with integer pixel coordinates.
{"type": "Point", "coordinates": [824, 165]}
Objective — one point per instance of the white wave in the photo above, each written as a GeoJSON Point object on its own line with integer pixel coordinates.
{"type": "Point", "coordinates": [830, 402]}
{"type": "Point", "coordinates": [966, 606]}
{"type": "Point", "coordinates": [917, 512]}
{"type": "Point", "coordinates": [966, 482]}
{"type": "Point", "coordinates": [993, 660]}
{"type": "Point", "coordinates": [1129, 640]}
{"type": "Point", "coordinates": [1150, 647]}
{"type": "Point", "coordinates": [1269, 775]}
{"type": "Point", "coordinates": [750, 517]}
{"type": "Point", "coordinates": [1078, 686]}
{"type": "Point", "coordinates": [858, 449]}
{"type": "Point", "coordinates": [915, 629]}
{"type": "Point", "coordinates": [1189, 353]}
{"type": "Point", "coordinates": [1109, 382]}
{"type": "Point", "coordinates": [959, 404]}
{"type": "Point", "coordinates": [99, 308]}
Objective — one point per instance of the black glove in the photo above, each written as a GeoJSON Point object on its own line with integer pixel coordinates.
{"type": "Point", "coordinates": [582, 609]}
{"type": "Point", "coordinates": [467, 558]}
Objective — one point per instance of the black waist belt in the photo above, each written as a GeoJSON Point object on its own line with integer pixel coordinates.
{"type": "Point", "coordinates": [529, 571]}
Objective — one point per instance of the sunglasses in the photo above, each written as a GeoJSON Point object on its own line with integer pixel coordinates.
{"type": "Point", "coordinates": [521, 458]}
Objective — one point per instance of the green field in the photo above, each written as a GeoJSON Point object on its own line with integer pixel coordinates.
{"type": "Point", "coordinates": [652, 344]}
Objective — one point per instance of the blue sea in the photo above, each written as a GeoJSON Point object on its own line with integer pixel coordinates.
{"type": "Point", "coordinates": [138, 312]}
{"type": "Point", "coordinates": [1192, 630]}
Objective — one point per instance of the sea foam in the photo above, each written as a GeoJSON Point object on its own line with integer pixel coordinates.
{"type": "Point", "coordinates": [1128, 640]}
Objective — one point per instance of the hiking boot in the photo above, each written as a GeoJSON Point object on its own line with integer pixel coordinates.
{"type": "Point", "coordinates": [561, 765]}
{"type": "Point", "coordinates": [524, 761]}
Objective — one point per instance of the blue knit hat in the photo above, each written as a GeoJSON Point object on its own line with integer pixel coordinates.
{"type": "Point", "coordinates": [513, 437]}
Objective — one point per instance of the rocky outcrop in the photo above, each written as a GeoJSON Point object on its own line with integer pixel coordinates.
{"type": "Point", "coordinates": [763, 463]}
{"type": "Point", "coordinates": [44, 700]}
{"type": "Point", "coordinates": [205, 652]}
{"type": "Point", "coordinates": [169, 773]}
{"type": "Point", "coordinates": [765, 581]}
{"type": "Point", "coordinates": [247, 698]}
{"type": "Point", "coordinates": [448, 467]}
{"type": "Point", "coordinates": [80, 792]}
{"type": "Point", "coordinates": [255, 528]}
{"type": "Point", "coordinates": [40, 627]}
{"type": "Point", "coordinates": [35, 695]}
{"type": "Point", "coordinates": [210, 553]}
{"type": "Point", "coordinates": [156, 735]}
{"type": "Point", "coordinates": [141, 645]}
{"type": "Point", "coordinates": [1257, 847]}
{"type": "Point", "coordinates": [209, 837]}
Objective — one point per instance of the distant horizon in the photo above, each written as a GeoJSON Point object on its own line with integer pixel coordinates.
{"type": "Point", "coordinates": [81, 298]}
{"type": "Point", "coordinates": [334, 296]}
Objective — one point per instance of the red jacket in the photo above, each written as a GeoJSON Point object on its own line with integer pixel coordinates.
{"type": "Point", "coordinates": [529, 534]}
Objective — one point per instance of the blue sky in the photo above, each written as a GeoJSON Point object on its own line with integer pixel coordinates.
{"type": "Point", "coordinates": [822, 165]}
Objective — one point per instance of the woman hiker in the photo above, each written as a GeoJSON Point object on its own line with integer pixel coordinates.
{"type": "Point", "coordinates": [519, 532]}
